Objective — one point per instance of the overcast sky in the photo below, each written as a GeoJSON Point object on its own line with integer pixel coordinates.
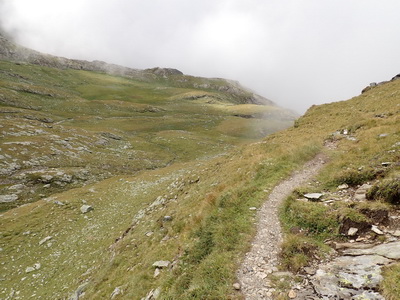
{"type": "Point", "coordinates": [294, 52]}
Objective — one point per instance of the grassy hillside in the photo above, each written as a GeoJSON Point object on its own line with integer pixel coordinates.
{"type": "Point", "coordinates": [62, 128]}
{"type": "Point", "coordinates": [170, 173]}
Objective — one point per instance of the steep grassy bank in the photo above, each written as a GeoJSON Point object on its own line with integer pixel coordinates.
{"type": "Point", "coordinates": [365, 135]}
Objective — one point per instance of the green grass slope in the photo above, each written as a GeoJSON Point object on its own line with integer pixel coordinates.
{"type": "Point", "coordinates": [61, 128]}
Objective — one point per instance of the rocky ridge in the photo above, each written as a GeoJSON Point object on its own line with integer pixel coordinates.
{"type": "Point", "coordinates": [11, 51]}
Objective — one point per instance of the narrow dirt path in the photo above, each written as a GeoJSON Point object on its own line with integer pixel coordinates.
{"type": "Point", "coordinates": [262, 259]}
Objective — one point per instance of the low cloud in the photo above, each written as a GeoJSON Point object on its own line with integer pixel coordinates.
{"type": "Point", "coordinates": [295, 53]}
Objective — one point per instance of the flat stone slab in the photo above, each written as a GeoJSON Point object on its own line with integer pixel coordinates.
{"type": "Point", "coordinates": [389, 250]}
{"type": "Point", "coordinates": [8, 198]}
{"type": "Point", "coordinates": [350, 276]}
{"type": "Point", "coordinates": [86, 208]}
{"type": "Point", "coordinates": [161, 264]}
{"type": "Point", "coordinates": [313, 196]}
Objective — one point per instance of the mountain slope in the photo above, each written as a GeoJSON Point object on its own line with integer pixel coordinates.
{"type": "Point", "coordinates": [63, 126]}
{"type": "Point", "coordinates": [174, 213]}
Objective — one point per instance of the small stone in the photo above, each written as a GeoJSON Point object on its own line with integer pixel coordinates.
{"type": "Point", "coordinates": [253, 208]}
{"type": "Point", "coordinates": [343, 186]}
{"type": "Point", "coordinates": [237, 286]}
{"type": "Point", "coordinates": [156, 272]}
{"type": "Point", "coordinates": [59, 203]}
{"type": "Point", "coordinates": [386, 164]}
{"type": "Point", "coordinates": [148, 234]}
{"type": "Point", "coordinates": [292, 294]}
{"type": "Point", "coordinates": [157, 293]}
{"type": "Point", "coordinates": [396, 233]}
{"type": "Point", "coordinates": [376, 230]}
{"type": "Point", "coordinates": [167, 218]}
{"type": "Point", "coordinates": [47, 238]}
{"type": "Point", "coordinates": [8, 198]}
{"type": "Point", "coordinates": [161, 264]}
{"type": "Point", "coordinates": [117, 291]}
{"type": "Point", "coordinates": [352, 231]}
{"type": "Point", "coordinates": [309, 271]}
{"type": "Point", "coordinates": [262, 275]}
{"type": "Point", "coordinates": [313, 196]}
{"type": "Point", "coordinates": [29, 269]}
{"type": "Point", "coordinates": [86, 208]}
{"type": "Point", "coordinates": [37, 266]}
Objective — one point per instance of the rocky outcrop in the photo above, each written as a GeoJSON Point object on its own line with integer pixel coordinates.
{"type": "Point", "coordinates": [396, 77]}
{"type": "Point", "coordinates": [374, 84]}
{"type": "Point", "coordinates": [165, 72]}
{"type": "Point", "coordinates": [13, 52]}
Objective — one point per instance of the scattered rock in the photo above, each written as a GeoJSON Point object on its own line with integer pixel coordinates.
{"type": "Point", "coordinates": [309, 271]}
{"type": "Point", "coordinates": [395, 233]}
{"type": "Point", "coordinates": [153, 294]}
{"type": "Point", "coordinates": [47, 238]}
{"type": "Point", "coordinates": [34, 268]}
{"type": "Point", "coordinates": [340, 246]}
{"type": "Point", "coordinates": [292, 294]}
{"type": "Point", "coordinates": [389, 250]}
{"type": "Point", "coordinates": [86, 208]}
{"type": "Point", "coordinates": [237, 286]}
{"type": "Point", "coordinates": [8, 198]}
{"type": "Point", "coordinates": [253, 208]}
{"type": "Point", "coordinates": [79, 291]}
{"type": "Point", "coordinates": [343, 186]}
{"type": "Point", "coordinates": [117, 291]}
{"type": "Point", "coordinates": [156, 272]}
{"type": "Point", "coordinates": [161, 264]}
{"type": "Point", "coordinates": [16, 187]}
{"type": "Point", "coordinates": [59, 203]}
{"type": "Point", "coordinates": [360, 194]}
{"type": "Point", "coordinates": [352, 231]}
{"type": "Point", "coordinates": [111, 136]}
{"type": "Point", "coordinates": [167, 218]}
{"type": "Point", "coordinates": [376, 230]}
{"type": "Point", "coordinates": [313, 196]}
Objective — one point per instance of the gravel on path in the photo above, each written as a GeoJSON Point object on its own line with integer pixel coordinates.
{"type": "Point", "coordinates": [262, 259]}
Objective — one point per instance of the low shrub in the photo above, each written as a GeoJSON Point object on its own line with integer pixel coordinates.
{"type": "Point", "coordinates": [297, 252]}
{"type": "Point", "coordinates": [314, 218]}
{"type": "Point", "coordinates": [354, 177]}
{"type": "Point", "coordinates": [387, 190]}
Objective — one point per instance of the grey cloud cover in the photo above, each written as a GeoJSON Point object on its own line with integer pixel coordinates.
{"type": "Point", "coordinates": [297, 53]}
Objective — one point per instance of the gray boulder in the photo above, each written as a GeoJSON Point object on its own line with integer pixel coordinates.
{"type": "Point", "coordinates": [86, 208]}
{"type": "Point", "coordinates": [8, 198]}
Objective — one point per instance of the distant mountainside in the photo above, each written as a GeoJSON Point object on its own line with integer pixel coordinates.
{"type": "Point", "coordinates": [10, 51]}
{"type": "Point", "coordinates": [157, 115]}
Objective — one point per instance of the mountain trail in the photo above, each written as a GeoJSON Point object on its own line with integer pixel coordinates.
{"type": "Point", "coordinates": [262, 259]}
